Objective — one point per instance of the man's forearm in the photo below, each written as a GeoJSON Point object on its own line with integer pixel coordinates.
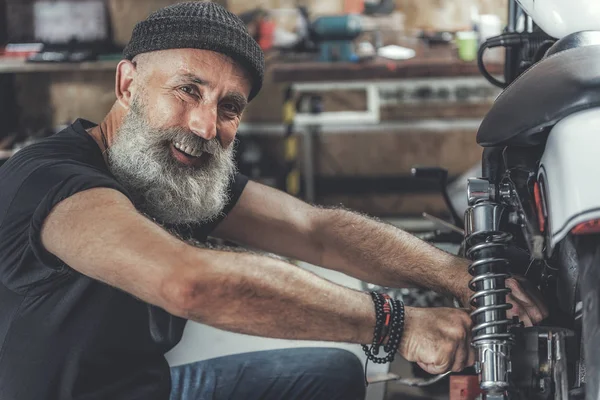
{"type": "Point", "coordinates": [262, 296]}
{"type": "Point", "coordinates": [382, 254]}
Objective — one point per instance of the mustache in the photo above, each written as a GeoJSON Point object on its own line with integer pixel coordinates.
{"type": "Point", "coordinates": [187, 138]}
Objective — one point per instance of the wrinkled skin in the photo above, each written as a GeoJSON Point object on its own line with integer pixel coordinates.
{"type": "Point", "coordinates": [192, 98]}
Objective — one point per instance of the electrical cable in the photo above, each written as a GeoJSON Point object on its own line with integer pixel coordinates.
{"type": "Point", "coordinates": [524, 40]}
{"type": "Point", "coordinates": [504, 40]}
{"type": "Point", "coordinates": [489, 77]}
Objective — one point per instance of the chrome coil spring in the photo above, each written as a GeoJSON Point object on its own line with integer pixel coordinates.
{"type": "Point", "coordinates": [490, 271]}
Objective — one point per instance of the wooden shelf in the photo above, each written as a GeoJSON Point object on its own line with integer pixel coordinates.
{"type": "Point", "coordinates": [18, 66]}
{"type": "Point", "coordinates": [437, 61]}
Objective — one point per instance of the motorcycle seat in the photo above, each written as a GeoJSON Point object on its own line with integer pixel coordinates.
{"type": "Point", "coordinates": [566, 82]}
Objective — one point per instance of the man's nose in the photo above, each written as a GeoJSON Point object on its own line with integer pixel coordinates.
{"type": "Point", "coordinates": [203, 122]}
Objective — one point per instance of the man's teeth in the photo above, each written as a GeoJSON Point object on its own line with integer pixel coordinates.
{"type": "Point", "coordinates": [187, 150]}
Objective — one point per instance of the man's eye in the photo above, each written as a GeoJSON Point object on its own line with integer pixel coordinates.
{"type": "Point", "coordinates": [188, 90]}
{"type": "Point", "coordinates": [232, 108]}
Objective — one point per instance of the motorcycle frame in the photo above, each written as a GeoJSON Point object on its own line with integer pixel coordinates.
{"type": "Point", "coordinates": [513, 177]}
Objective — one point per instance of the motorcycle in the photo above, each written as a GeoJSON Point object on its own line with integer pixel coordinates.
{"type": "Point", "coordinates": [535, 211]}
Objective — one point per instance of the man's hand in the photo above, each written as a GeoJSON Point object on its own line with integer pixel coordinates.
{"type": "Point", "coordinates": [438, 339]}
{"type": "Point", "coordinates": [526, 300]}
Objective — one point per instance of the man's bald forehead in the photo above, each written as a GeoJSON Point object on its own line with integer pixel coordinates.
{"type": "Point", "coordinates": [174, 62]}
{"type": "Point", "coordinates": [144, 57]}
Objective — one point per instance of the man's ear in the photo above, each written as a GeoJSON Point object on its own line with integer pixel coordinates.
{"type": "Point", "coordinates": [126, 72]}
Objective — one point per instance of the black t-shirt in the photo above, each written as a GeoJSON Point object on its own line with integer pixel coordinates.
{"type": "Point", "coordinates": [63, 335]}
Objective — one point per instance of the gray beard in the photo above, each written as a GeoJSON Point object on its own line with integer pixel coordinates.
{"type": "Point", "coordinates": [162, 187]}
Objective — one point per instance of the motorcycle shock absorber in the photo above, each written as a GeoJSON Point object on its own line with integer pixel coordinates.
{"type": "Point", "coordinates": [486, 246]}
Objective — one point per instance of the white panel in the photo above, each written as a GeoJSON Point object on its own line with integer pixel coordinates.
{"type": "Point", "coordinates": [570, 167]}
{"type": "Point", "coordinates": [370, 116]}
{"type": "Point", "coordinates": [559, 18]}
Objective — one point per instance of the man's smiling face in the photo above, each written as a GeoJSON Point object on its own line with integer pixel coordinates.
{"type": "Point", "coordinates": [174, 149]}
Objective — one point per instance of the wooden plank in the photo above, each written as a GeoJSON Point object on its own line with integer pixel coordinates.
{"type": "Point", "coordinates": [379, 69]}
{"type": "Point", "coordinates": [429, 61]}
{"type": "Point", "coordinates": [394, 153]}
{"type": "Point", "coordinates": [14, 66]}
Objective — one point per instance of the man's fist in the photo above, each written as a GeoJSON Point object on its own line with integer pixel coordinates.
{"type": "Point", "coordinates": [438, 339]}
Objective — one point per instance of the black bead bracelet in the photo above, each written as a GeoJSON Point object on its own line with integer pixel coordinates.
{"type": "Point", "coordinates": [389, 322]}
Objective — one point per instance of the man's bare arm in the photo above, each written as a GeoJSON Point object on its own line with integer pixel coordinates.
{"type": "Point", "coordinates": [341, 240]}
{"type": "Point", "coordinates": [356, 245]}
{"type": "Point", "coordinates": [100, 234]}
{"type": "Point", "coordinates": [390, 256]}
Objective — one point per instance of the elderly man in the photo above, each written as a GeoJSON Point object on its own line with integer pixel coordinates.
{"type": "Point", "coordinates": [96, 284]}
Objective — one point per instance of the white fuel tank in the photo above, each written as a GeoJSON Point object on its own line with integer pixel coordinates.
{"type": "Point", "coordinates": [559, 18]}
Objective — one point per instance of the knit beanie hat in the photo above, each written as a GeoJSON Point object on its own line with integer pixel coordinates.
{"type": "Point", "coordinates": [199, 25]}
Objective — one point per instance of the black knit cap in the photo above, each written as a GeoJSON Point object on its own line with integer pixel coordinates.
{"type": "Point", "coordinates": [200, 25]}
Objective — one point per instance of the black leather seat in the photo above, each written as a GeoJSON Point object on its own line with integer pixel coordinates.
{"type": "Point", "coordinates": [565, 82]}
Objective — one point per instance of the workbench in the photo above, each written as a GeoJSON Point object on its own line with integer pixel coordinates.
{"type": "Point", "coordinates": [371, 76]}
{"type": "Point", "coordinates": [19, 66]}
{"type": "Point", "coordinates": [436, 61]}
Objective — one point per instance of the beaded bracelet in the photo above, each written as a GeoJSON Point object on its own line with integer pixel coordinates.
{"type": "Point", "coordinates": [389, 322]}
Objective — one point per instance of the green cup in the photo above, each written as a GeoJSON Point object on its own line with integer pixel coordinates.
{"type": "Point", "coordinates": [467, 43]}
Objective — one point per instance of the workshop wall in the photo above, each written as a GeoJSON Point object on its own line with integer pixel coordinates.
{"type": "Point", "coordinates": [385, 154]}
{"type": "Point", "coordinates": [57, 98]}
{"type": "Point", "coordinates": [125, 13]}
{"type": "Point", "coordinates": [393, 153]}
{"type": "Point", "coordinates": [53, 99]}
{"type": "Point", "coordinates": [421, 14]}
{"type": "Point", "coordinates": [446, 14]}
{"type": "Point", "coordinates": [429, 14]}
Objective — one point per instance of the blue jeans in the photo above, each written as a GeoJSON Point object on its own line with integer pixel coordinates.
{"type": "Point", "coordinates": [290, 374]}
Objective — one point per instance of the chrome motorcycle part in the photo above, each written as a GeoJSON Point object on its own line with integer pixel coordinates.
{"type": "Point", "coordinates": [483, 218]}
{"type": "Point", "coordinates": [504, 191]}
{"type": "Point", "coordinates": [560, 367]}
{"type": "Point", "coordinates": [479, 189]}
{"type": "Point", "coordinates": [495, 396]}
{"type": "Point", "coordinates": [493, 365]}
{"type": "Point", "coordinates": [490, 271]}
{"type": "Point", "coordinates": [580, 369]}
{"type": "Point", "coordinates": [419, 382]}
{"type": "Point", "coordinates": [486, 247]}
{"type": "Point", "coordinates": [539, 363]}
